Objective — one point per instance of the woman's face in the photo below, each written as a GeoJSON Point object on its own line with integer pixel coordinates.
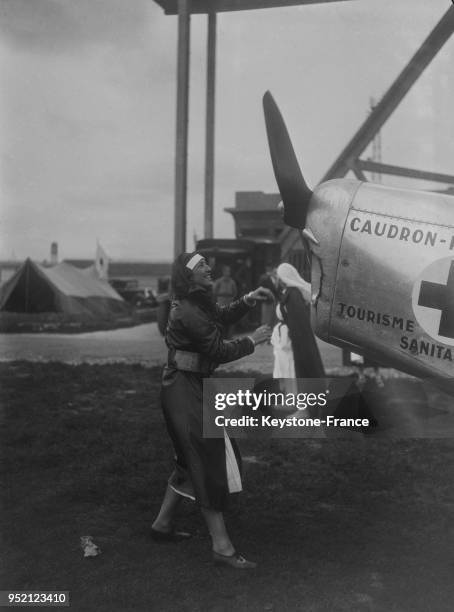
{"type": "Point", "coordinates": [201, 275]}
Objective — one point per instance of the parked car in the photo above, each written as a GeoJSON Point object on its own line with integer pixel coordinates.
{"type": "Point", "coordinates": [135, 295]}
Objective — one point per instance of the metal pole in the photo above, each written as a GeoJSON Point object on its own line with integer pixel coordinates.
{"type": "Point", "coordinates": [181, 151]}
{"type": "Point", "coordinates": [371, 166]}
{"type": "Point", "coordinates": [392, 98]}
{"type": "Point", "coordinates": [209, 130]}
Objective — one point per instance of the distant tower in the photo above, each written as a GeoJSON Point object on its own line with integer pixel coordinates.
{"type": "Point", "coordinates": [376, 148]}
{"type": "Point", "coordinates": [54, 254]}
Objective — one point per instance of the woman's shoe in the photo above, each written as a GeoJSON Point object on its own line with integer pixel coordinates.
{"type": "Point", "coordinates": [236, 561]}
{"type": "Point", "coordinates": [169, 536]}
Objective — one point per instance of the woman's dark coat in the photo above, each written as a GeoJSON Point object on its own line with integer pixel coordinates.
{"type": "Point", "coordinates": [196, 324]}
{"type": "Point", "coordinates": [296, 313]}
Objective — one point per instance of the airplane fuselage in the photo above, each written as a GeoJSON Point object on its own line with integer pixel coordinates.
{"type": "Point", "coordinates": [383, 274]}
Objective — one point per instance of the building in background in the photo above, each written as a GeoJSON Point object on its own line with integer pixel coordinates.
{"type": "Point", "coordinates": [256, 215]}
{"type": "Point", "coordinates": [54, 254]}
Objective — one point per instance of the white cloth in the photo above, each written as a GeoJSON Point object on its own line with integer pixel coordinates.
{"type": "Point", "coordinates": [284, 364]}
{"type": "Point", "coordinates": [290, 277]}
{"type": "Point", "coordinates": [233, 472]}
{"type": "Point", "coordinates": [194, 261]}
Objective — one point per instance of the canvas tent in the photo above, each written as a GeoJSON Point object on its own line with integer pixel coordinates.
{"type": "Point", "coordinates": [60, 293]}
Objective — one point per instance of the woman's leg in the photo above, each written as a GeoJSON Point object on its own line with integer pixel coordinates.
{"type": "Point", "coordinates": [164, 520]}
{"type": "Point", "coordinates": [216, 526]}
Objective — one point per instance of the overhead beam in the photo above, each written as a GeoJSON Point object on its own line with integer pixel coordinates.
{"type": "Point", "coordinates": [357, 171]}
{"type": "Point", "coordinates": [184, 9]}
{"type": "Point", "coordinates": [392, 98]}
{"type": "Point", "coordinates": [220, 6]}
{"type": "Point", "coordinates": [378, 167]}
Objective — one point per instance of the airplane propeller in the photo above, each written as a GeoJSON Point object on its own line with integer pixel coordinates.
{"type": "Point", "coordinates": [294, 191]}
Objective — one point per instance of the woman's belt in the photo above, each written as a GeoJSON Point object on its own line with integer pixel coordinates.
{"type": "Point", "coordinates": [190, 362]}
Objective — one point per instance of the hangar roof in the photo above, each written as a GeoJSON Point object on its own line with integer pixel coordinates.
{"type": "Point", "coordinates": [207, 6]}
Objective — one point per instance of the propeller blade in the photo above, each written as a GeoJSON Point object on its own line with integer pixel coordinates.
{"type": "Point", "coordinates": [292, 186]}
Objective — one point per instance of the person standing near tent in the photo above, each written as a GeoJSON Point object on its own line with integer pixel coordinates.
{"type": "Point", "coordinates": [207, 469]}
{"type": "Point", "coordinates": [295, 301]}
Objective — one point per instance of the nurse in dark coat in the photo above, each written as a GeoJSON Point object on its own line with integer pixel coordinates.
{"type": "Point", "coordinates": [206, 469]}
{"type": "Point", "coordinates": [295, 307]}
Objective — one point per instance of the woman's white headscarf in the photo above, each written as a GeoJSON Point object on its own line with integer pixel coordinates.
{"type": "Point", "coordinates": [290, 277]}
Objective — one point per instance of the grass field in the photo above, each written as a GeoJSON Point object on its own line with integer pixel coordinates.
{"type": "Point", "coordinates": [335, 525]}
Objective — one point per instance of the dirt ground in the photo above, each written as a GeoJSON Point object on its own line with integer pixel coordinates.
{"type": "Point", "coordinates": [336, 525]}
{"type": "Point", "coordinates": [141, 344]}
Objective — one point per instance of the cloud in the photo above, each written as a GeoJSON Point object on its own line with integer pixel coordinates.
{"type": "Point", "coordinates": [88, 109]}
{"type": "Point", "coordinates": [50, 26]}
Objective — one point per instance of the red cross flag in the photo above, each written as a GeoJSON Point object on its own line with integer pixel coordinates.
{"type": "Point", "coordinates": [101, 262]}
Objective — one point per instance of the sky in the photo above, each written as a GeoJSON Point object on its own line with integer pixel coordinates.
{"type": "Point", "coordinates": [88, 103]}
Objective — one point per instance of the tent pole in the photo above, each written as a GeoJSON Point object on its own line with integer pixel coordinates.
{"type": "Point", "coordinates": [27, 282]}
